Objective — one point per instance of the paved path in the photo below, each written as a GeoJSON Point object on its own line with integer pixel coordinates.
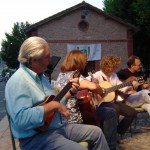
{"type": "Point", "coordinates": [140, 141]}
{"type": "Point", "coordinates": [2, 93]}
{"type": "Point", "coordinates": [5, 137]}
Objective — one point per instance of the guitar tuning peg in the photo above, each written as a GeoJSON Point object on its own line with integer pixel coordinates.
{"type": "Point", "coordinates": [76, 73]}
{"type": "Point", "coordinates": [93, 71]}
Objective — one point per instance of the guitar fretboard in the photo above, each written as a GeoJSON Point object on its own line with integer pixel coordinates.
{"type": "Point", "coordinates": [63, 92]}
{"type": "Point", "coordinates": [67, 87]}
{"type": "Point", "coordinates": [114, 88]}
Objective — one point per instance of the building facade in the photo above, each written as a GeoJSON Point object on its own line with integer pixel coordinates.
{"type": "Point", "coordinates": [86, 28]}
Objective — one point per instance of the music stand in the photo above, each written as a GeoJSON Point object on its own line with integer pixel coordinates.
{"type": "Point", "coordinates": [53, 62]}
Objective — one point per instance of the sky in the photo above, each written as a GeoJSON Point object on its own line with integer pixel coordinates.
{"type": "Point", "coordinates": [12, 11]}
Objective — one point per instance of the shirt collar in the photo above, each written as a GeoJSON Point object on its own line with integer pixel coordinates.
{"type": "Point", "coordinates": [33, 74]}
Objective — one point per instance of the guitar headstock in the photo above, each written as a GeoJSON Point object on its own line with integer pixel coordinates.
{"type": "Point", "coordinates": [142, 80]}
{"type": "Point", "coordinates": [90, 73]}
{"type": "Point", "coordinates": [76, 74]}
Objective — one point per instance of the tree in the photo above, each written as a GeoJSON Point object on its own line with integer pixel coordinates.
{"type": "Point", "coordinates": [11, 46]}
{"type": "Point", "coordinates": [123, 9]}
{"type": "Point", "coordinates": [136, 12]}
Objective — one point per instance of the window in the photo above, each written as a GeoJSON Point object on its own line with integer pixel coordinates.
{"type": "Point", "coordinates": [83, 25]}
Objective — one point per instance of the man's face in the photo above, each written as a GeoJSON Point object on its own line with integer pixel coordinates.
{"type": "Point", "coordinates": [40, 65]}
{"type": "Point", "coordinates": [44, 61]}
{"type": "Point", "coordinates": [137, 66]}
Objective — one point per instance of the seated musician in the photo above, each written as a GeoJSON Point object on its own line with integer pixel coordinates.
{"type": "Point", "coordinates": [133, 71]}
{"type": "Point", "coordinates": [26, 92]}
{"type": "Point", "coordinates": [107, 75]}
{"type": "Point", "coordinates": [82, 110]}
{"type": "Point", "coordinates": [139, 95]}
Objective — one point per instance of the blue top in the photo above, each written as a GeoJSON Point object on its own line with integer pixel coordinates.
{"type": "Point", "coordinates": [23, 92]}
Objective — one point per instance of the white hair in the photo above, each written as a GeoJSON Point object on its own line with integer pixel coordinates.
{"type": "Point", "coordinates": [32, 47]}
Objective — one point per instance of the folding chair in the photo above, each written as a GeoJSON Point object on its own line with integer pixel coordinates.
{"type": "Point", "coordinates": [139, 111]}
{"type": "Point", "coordinates": [85, 144]}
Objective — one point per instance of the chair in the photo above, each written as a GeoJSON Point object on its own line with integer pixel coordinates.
{"type": "Point", "coordinates": [12, 137]}
{"type": "Point", "coordinates": [139, 111]}
{"type": "Point", "coordinates": [85, 144]}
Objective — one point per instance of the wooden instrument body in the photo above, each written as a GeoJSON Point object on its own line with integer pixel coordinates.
{"type": "Point", "coordinates": [88, 111]}
{"type": "Point", "coordinates": [49, 118]}
{"type": "Point", "coordinates": [58, 97]}
{"type": "Point", "coordinates": [88, 105]}
{"type": "Point", "coordinates": [111, 91]}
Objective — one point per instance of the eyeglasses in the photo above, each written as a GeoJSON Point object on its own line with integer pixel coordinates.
{"type": "Point", "coordinates": [138, 65]}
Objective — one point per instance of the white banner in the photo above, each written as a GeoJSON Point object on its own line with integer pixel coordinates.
{"type": "Point", "coordinates": [93, 51]}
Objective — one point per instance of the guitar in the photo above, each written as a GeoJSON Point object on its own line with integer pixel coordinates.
{"type": "Point", "coordinates": [109, 90]}
{"type": "Point", "coordinates": [55, 98]}
{"type": "Point", "coordinates": [87, 105]}
{"type": "Point", "coordinates": [145, 84]}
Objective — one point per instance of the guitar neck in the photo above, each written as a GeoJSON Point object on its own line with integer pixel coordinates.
{"type": "Point", "coordinates": [114, 88]}
{"type": "Point", "coordinates": [63, 92]}
{"type": "Point", "coordinates": [67, 87]}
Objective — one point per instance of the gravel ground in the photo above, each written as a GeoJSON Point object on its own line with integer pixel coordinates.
{"type": "Point", "coordinates": [140, 138]}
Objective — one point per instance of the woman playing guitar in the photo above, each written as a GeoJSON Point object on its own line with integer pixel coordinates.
{"type": "Point", "coordinates": [76, 60]}
{"type": "Point", "coordinates": [109, 65]}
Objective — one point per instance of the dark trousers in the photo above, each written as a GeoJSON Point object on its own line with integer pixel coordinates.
{"type": "Point", "coordinates": [128, 112]}
{"type": "Point", "coordinates": [108, 122]}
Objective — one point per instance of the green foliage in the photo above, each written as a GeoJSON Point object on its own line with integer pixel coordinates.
{"type": "Point", "coordinates": [142, 8]}
{"type": "Point", "coordinates": [136, 12]}
{"type": "Point", "coordinates": [121, 8]}
{"type": "Point", "coordinates": [11, 46]}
